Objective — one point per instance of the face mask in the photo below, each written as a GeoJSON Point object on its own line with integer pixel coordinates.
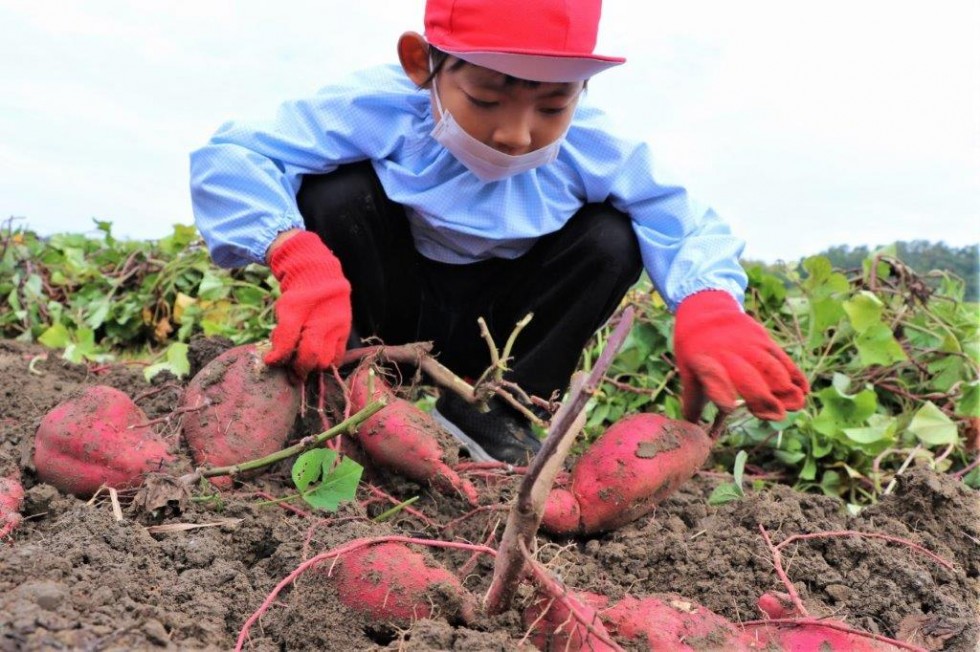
{"type": "Point", "coordinates": [487, 163]}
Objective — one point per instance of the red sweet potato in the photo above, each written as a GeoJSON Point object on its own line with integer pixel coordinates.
{"type": "Point", "coordinates": [11, 497]}
{"type": "Point", "coordinates": [392, 583]}
{"type": "Point", "coordinates": [401, 438]}
{"type": "Point", "coordinates": [670, 622]}
{"type": "Point", "coordinates": [552, 626]}
{"type": "Point", "coordinates": [366, 387]}
{"type": "Point", "coordinates": [633, 467]}
{"type": "Point", "coordinates": [238, 409]}
{"type": "Point", "coordinates": [96, 438]}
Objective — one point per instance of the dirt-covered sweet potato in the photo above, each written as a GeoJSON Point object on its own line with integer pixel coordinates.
{"type": "Point", "coordinates": [670, 622]}
{"type": "Point", "coordinates": [99, 437]}
{"type": "Point", "coordinates": [633, 467]}
{"type": "Point", "coordinates": [395, 585]}
{"type": "Point", "coordinates": [238, 409]}
{"type": "Point", "coordinates": [553, 628]}
{"type": "Point", "coordinates": [402, 438]}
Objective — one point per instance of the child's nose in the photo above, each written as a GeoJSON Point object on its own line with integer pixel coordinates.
{"type": "Point", "coordinates": [512, 136]}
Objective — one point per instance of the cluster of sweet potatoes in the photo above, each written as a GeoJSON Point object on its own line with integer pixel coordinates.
{"type": "Point", "coordinates": [236, 409]}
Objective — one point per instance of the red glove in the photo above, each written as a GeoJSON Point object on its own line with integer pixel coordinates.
{"type": "Point", "coordinates": [722, 353]}
{"type": "Point", "coordinates": [314, 313]}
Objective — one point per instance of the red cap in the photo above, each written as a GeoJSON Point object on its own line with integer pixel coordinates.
{"type": "Point", "coordinates": [538, 40]}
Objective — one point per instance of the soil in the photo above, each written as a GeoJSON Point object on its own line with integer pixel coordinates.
{"type": "Point", "coordinates": [72, 576]}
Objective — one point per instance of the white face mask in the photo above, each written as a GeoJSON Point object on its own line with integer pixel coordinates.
{"type": "Point", "coordinates": [487, 163]}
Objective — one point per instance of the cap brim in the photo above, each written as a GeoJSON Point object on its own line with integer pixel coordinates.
{"type": "Point", "coordinates": [540, 67]}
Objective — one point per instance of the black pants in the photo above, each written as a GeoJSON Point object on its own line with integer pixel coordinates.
{"type": "Point", "coordinates": [572, 281]}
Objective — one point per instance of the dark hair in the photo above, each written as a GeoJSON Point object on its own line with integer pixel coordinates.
{"type": "Point", "coordinates": [439, 58]}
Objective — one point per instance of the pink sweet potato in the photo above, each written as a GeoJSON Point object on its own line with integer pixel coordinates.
{"type": "Point", "coordinates": [11, 497]}
{"type": "Point", "coordinates": [553, 627]}
{"type": "Point", "coordinates": [670, 622]}
{"type": "Point", "coordinates": [96, 438]}
{"type": "Point", "coordinates": [393, 584]}
{"type": "Point", "coordinates": [238, 409]}
{"type": "Point", "coordinates": [366, 387]}
{"type": "Point", "coordinates": [401, 438]}
{"type": "Point", "coordinates": [633, 467]}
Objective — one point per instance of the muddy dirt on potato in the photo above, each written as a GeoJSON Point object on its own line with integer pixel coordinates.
{"type": "Point", "coordinates": [72, 576]}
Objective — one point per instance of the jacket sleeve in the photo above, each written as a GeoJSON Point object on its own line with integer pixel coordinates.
{"type": "Point", "coordinates": [245, 179]}
{"type": "Point", "coordinates": [686, 247]}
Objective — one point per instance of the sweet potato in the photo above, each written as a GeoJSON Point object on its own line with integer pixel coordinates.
{"type": "Point", "coordinates": [238, 409]}
{"type": "Point", "coordinates": [366, 387]}
{"type": "Point", "coordinates": [670, 622]}
{"type": "Point", "coordinates": [633, 467]}
{"type": "Point", "coordinates": [392, 583]}
{"type": "Point", "coordinates": [11, 497]}
{"type": "Point", "coordinates": [552, 626]}
{"type": "Point", "coordinates": [401, 438]}
{"type": "Point", "coordinates": [96, 438]}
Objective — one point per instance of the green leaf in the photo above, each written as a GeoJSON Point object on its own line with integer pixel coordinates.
{"type": "Point", "coordinates": [213, 286]}
{"type": "Point", "coordinates": [882, 429]}
{"type": "Point", "coordinates": [932, 426]}
{"type": "Point", "coordinates": [339, 485]}
{"type": "Point", "coordinates": [946, 372]}
{"type": "Point", "coordinates": [725, 493]}
{"type": "Point", "coordinates": [842, 410]}
{"type": "Point", "coordinates": [55, 337]}
{"type": "Point", "coordinates": [824, 314]}
{"type": "Point", "coordinates": [98, 316]}
{"type": "Point", "coordinates": [877, 345]}
{"type": "Point", "coordinates": [864, 310]}
{"type": "Point", "coordinates": [969, 403]}
{"type": "Point", "coordinates": [309, 466]}
{"type": "Point", "coordinates": [175, 361]}
{"type": "Point", "coordinates": [740, 458]}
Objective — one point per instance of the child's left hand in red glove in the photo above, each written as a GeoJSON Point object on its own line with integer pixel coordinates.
{"type": "Point", "coordinates": [722, 353]}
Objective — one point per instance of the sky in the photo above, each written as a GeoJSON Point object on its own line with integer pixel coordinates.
{"type": "Point", "coordinates": [805, 125]}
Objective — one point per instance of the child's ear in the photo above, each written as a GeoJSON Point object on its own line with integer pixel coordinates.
{"type": "Point", "coordinates": [413, 52]}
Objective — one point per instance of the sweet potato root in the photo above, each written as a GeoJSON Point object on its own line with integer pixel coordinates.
{"type": "Point", "coordinates": [393, 584]}
{"type": "Point", "coordinates": [11, 497]}
{"type": "Point", "coordinates": [401, 438]}
{"type": "Point", "coordinates": [633, 467]}
{"type": "Point", "coordinates": [96, 438]}
{"type": "Point", "coordinates": [238, 409]}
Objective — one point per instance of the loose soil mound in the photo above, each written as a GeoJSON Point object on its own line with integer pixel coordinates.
{"type": "Point", "coordinates": [74, 577]}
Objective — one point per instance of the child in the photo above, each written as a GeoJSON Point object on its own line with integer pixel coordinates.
{"type": "Point", "coordinates": [477, 179]}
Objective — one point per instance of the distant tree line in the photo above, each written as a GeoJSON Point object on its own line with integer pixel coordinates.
{"type": "Point", "coordinates": [922, 256]}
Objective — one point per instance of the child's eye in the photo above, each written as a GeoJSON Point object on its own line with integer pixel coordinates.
{"type": "Point", "coordinates": [483, 104]}
{"type": "Point", "coordinates": [554, 111]}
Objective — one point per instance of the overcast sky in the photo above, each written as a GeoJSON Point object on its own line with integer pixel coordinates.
{"type": "Point", "coordinates": [804, 124]}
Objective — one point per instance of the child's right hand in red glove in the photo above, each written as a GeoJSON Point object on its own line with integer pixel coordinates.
{"type": "Point", "coordinates": [314, 312]}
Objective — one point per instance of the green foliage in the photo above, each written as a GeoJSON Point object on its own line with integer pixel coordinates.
{"type": "Point", "coordinates": [98, 296]}
{"type": "Point", "coordinates": [893, 363]}
{"type": "Point", "coordinates": [921, 256]}
{"type": "Point", "coordinates": [322, 481]}
{"type": "Point", "coordinates": [893, 356]}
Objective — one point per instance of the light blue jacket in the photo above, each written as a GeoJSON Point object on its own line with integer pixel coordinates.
{"type": "Point", "coordinates": [244, 184]}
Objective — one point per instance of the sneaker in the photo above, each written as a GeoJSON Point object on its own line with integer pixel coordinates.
{"type": "Point", "coordinates": [502, 434]}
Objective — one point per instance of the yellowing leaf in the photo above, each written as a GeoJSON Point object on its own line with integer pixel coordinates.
{"type": "Point", "coordinates": [182, 303]}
